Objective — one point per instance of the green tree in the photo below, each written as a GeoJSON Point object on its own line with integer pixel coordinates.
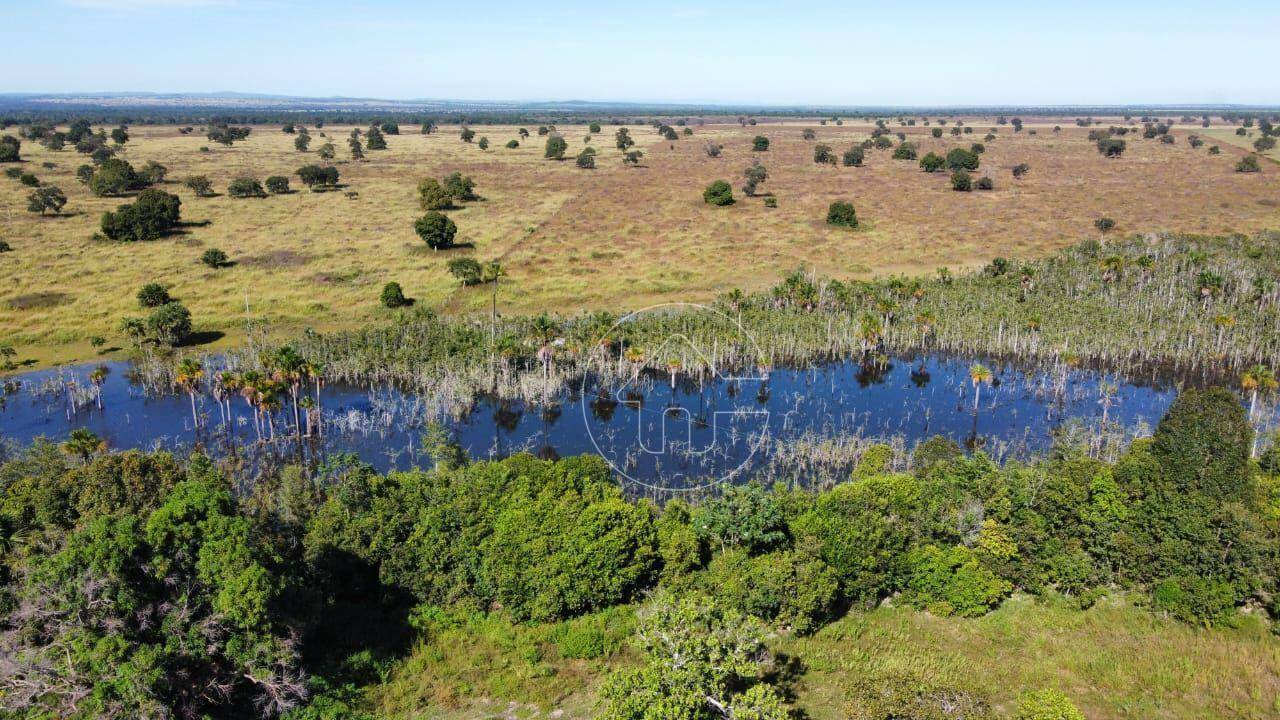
{"type": "Point", "coordinates": [277, 184]}
{"type": "Point", "coordinates": [393, 295]}
{"type": "Point", "coordinates": [46, 198]}
{"type": "Point", "coordinates": [842, 214]}
{"type": "Point", "coordinates": [853, 157]}
{"type": "Point", "coordinates": [555, 148]}
{"type": "Point", "coordinates": [433, 196]}
{"type": "Point", "coordinates": [718, 193]}
{"type": "Point", "coordinates": [245, 187]}
{"type": "Point", "coordinates": [961, 181]}
{"type": "Point", "coordinates": [760, 143]}
{"type": "Point", "coordinates": [436, 230]}
{"type": "Point", "coordinates": [147, 218]}
{"type": "Point", "coordinates": [153, 295]}
{"type": "Point", "coordinates": [170, 323]}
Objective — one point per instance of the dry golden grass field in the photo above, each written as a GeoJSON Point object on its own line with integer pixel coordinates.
{"type": "Point", "coordinates": [617, 236]}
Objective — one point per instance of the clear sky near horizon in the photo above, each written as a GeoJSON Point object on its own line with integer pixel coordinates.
{"type": "Point", "coordinates": [850, 53]}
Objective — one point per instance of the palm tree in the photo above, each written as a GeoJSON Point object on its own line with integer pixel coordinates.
{"type": "Point", "coordinates": [248, 384]}
{"type": "Point", "coordinates": [1258, 379]}
{"type": "Point", "coordinates": [97, 377]}
{"type": "Point", "coordinates": [188, 378]}
{"type": "Point", "coordinates": [315, 370]}
{"type": "Point", "coordinates": [289, 370]}
{"type": "Point", "coordinates": [84, 443]}
{"type": "Point", "coordinates": [978, 374]}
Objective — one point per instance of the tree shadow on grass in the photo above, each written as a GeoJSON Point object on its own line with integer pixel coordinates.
{"type": "Point", "coordinates": [203, 337]}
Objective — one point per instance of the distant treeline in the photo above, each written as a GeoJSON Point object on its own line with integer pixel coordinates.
{"type": "Point", "coordinates": [22, 110]}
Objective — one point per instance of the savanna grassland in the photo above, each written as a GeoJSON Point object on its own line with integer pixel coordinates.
{"type": "Point", "coordinates": [617, 236]}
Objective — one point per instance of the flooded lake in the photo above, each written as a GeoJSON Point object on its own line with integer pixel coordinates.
{"type": "Point", "coordinates": [656, 431]}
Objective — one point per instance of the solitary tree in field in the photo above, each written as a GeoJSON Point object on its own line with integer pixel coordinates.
{"type": "Point", "coordinates": [808, 134]}
{"type": "Point", "coordinates": [842, 214]}
{"type": "Point", "coordinates": [555, 148]}
{"type": "Point", "coordinates": [823, 155]}
{"type": "Point", "coordinates": [718, 193]}
{"type": "Point", "coordinates": [586, 159]}
{"type": "Point", "coordinates": [1248, 164]}
{"type": "Point", "coordinates": [593, 127]}
{"type": "Point", "coordinates": [1111, 147]}
{"type": "Point", "coordinates": [326, 151]}
{"type": "Point", "coordinates": [632, 158]}
{"type": "Point", "coordinates": [755, 175]}
{"type": "Point", "coordinates": [622, 139]}
{"type": "Point", "coordinates": [467, 134]}
{"type": "Point", "coordinates": [853, 157]}
{"type": "Point", "coordinates": [436, 230]}
{"type": "Point", "coordinates": [1104, 225]}
{"type": "Point", "coordinates": [932, 162]}
{"type": "Point", "coordinates": [961, 181]}
{"type": "Point", "coordinates": [200, 185]}
{"type": "Point", "coordinates": [374, 139]}
{"type": "Point", "coordinates": [484, 143]}
{"type": "Point", "coordinates": [357, 150]}
{"type": "Point", "coordinates": [302, 142]}
{"type": "Point", "coordinates": [46, 198]}
{"type": "Point", "coordinates": [760, 143]}
{"type": "Point", "coordinates": [1020, 170]}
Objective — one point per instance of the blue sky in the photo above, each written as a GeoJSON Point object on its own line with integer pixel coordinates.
{"type": "Point", "coordinates": [853, 53]}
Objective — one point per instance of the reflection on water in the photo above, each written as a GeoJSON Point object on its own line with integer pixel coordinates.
{"type": "Point", "coordinates": [653, 430]}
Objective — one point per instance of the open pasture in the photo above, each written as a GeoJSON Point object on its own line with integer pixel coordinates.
{"type": "Point", "coordinates": [616, 236]}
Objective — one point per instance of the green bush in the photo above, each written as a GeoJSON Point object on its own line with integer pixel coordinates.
{"type": "Point", "coordinates": [718, 193]}
{"type": "Point", "coordinates": [148, 217]}
{"type": "Point", "coordinates": [951, 581]}
{"type": "Point", "coordinates": [393, 295]}
{"type": "Point", "coordinates": [153, 295]}
{"type": "Point", "coordinates": [961, 159]}
{"type": "Point", "coordinates": [961, 181]}
{"type": "Point", "coordinates": [214, 258]}
{"type": "Point", "coordinates": [932, 162]}
{"type": "Point", "coordinates": [277, 184]}
{"type": "Point", "coordinates": [842, 214]}
{"type": "Point", "coordinates": [245, 187]}
{"type": "Point", "coordinates": [1046, 705]}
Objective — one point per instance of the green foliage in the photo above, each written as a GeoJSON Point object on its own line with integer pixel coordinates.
{"type": "Point", "coordinates": [951, 581]}
{"type": "Point", "coordinates": [586, 159]}
{"type": "Point", "coordinates": [905, 151]}
{"type": "Point", "coordinates": [898, 696]}
{"type": "Point", "coordinates": [862, 529]}
{"type": "Point", "coordinates": [961, 159]}
{"type": "Point", "coordinates": [277, 184]}
{"type": "Point", "coordinates": [853, 157]}
{"type": "Point", "coordinates": [794, 589]}
{"type": "Point", "coordinates": [114, 177]}
{"type": "Point", "coordinates": [823, 155]}
{"type": "Point", "coordinates": [10, 149]}
{"type": "Point", "coordinates": [842, 214]}
{"type": "Point", "coordinates": [466, 270]}
{"type": "Point", "coordinates": [718, 193]}
{"type": "Point", "coordinates": [214, 258]}
{"type": "Point", "coordinates": [47, 198]}
{"type": "Point", "coordinates": [698, 657]}
{"type": "Point", "coordinates": [148, 217]}
{"type": "Point", "coordinates": [555, 148]}
{"type": "Point", "coordinates": [153, 295]}
{"type": "Point", "coordinates": [393, 295]}
{"type": "Point", "coordinates": [1046, 705]}
{"type": "Point", "coordinates": [961, 181]}
{"type": "Point", "coordinates": [436, 230]}
{"type": "Point", "coordinates": [433, 196]}
{"type": "Point", "coordinates": [932, 162]}
{"type": "Point", "coordinates": [741, 516]}
{"type": "Point", "coordinates": [1202, 444]}
{"type": "Point", "coordinates": [760, 143]}
{"type": "Point", "coordinates": [1248, 164]}
{"type": "Point", "coordinates": [170, 323]}
{"type": "Point", "coordinates": [245, 187]}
